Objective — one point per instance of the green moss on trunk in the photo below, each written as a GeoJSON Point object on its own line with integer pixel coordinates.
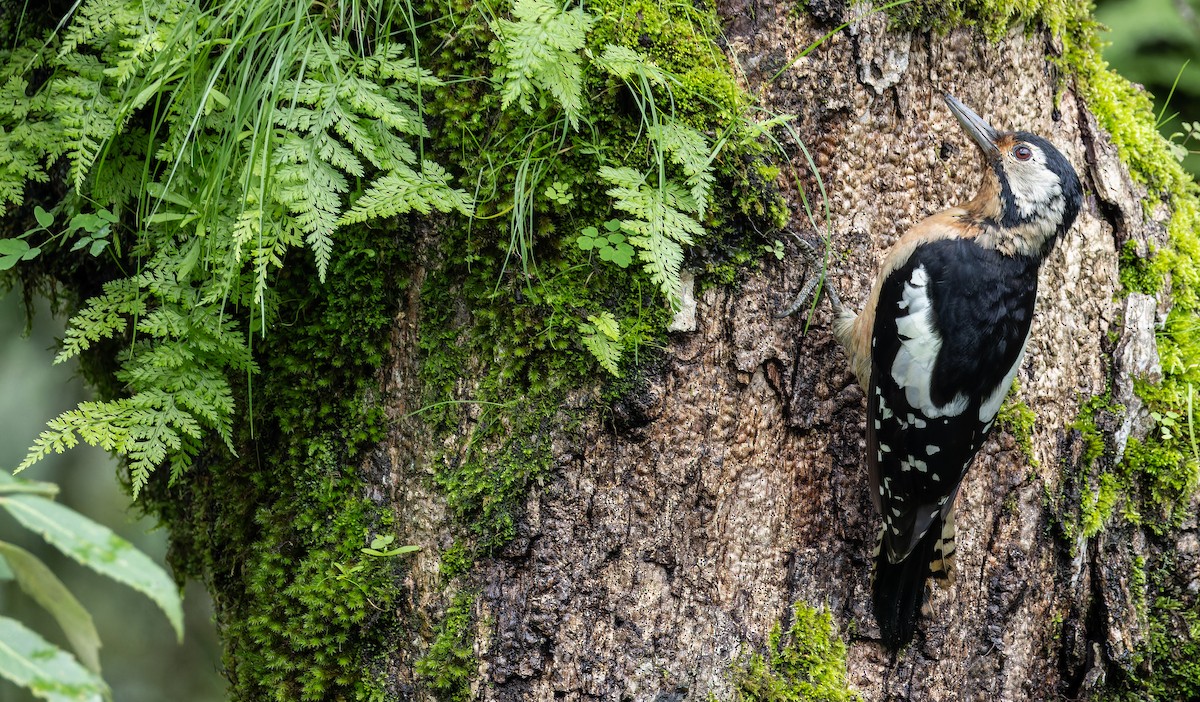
{"type": "Point", "coordinates": [277, 531]}
{"type": "Point", "coordinates": [807, 663]}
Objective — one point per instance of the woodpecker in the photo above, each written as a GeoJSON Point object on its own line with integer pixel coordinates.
{"type": "Point", "coordinates": [936, 349]}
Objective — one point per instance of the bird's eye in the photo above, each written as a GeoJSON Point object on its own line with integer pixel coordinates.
{"type": "Point", "coordinates": [1022, 152]}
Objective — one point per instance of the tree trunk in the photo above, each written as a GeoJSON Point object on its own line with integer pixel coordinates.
{"type": "Point", "coordinates": [678, 527]}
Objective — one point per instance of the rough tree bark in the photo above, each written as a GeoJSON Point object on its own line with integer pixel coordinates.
{"type": "Point", "coordinates": [732, 484]}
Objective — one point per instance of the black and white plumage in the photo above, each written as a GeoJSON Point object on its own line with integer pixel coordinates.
{"type": "Point", "coordinates": [936, 349]}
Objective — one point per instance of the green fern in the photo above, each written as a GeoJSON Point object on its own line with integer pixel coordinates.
{"type": "Point", "coordinates": [662, 226]}
{"type": "Point", "coordinates": [404, 190]}
{"type": "Point", "coordinates": [690, 151]}
{"type": "Point", "coordinates": [602, 339]}
{"type": "Point", "coordinates": [627, 64]}
{"type": "Point", "coordinates": [258, 147]}
{"type": "Point", "coordinates": [540, 51]}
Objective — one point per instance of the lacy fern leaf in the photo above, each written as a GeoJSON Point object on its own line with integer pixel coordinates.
{"type": "Point", "coordinates": [539, 51]}
{"type": "Point", "coordinates": [664, 223]}
{"type": "Point", "coordinates": [602, 339]}
{"type": "Point", "coordinates": [404, 190]}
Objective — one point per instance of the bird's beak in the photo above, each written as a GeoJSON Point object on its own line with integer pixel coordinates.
{"type": "Point", "coordinates": [982, 132]}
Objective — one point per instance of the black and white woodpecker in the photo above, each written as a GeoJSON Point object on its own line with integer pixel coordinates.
{"type": "Point", "coordinates": [936, 349]}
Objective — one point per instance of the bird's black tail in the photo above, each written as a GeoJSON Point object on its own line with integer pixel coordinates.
{"type": "Point", "coordinates": [898, 589]}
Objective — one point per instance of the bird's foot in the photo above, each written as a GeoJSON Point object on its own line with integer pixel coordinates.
{"type": "Point", "coordinates": [816, 281]}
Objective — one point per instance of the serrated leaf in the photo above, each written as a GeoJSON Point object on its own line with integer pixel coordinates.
{"type": "Point", "coordinates": [625, 63]}
{"type": "Point", "coordinates": [605, 350]}
{"type": "Point", "coordinates": [98, 548]}
{"type": "Point", "coordinates": [41, 584]}
{"type": "Point", "coordinates": [541, 54]}
{"type": "Point", "coordinates": [607, 324]}
{"type": "Point", "coordinates": [44, 669]}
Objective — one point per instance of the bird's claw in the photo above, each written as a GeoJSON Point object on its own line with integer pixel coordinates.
{"type": "Point", "coordinates": [815, 262]}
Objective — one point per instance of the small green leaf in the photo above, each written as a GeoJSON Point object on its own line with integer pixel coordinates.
{"type": "Point", "coordinates": [382, 540]}
{"type": "Point", "coordinates": [623, 255]}
{"type": "Point", "coordinates": [98, 548]}
{"type": "Point", "coordinates": [13, 247]}
{"type": "Point", "coordinates": [46, 670]}
{"type": "Point", "coordinates": [586, 243]}
{"type": "Point", "coordinates": [86, 221]}
{"type": "Point", "coordinates": [607, 324]}
{"type": "Point", "coordinates": [398, 551]}
{"type": "Point", "coordinates": [81, 242]}
{"type": "Point", "coordinates": [612, 225]}
{"type": "Point", "coordinates": [31, 253]}
{"type": "Point", "coordinates": [98, 245]}
{"type": "Point", "coordinates": [43, 217]}
{"type": "Point", "coordinates": [41, 584]}
{"type": "Point", "coordinates": [616, 238]}
{"type": "Point", "coordinates": [7, 262]}
{"type": "Point", "coordinates": [606, 253]}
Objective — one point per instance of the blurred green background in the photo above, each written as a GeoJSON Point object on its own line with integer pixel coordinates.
{"type": "Point", "coordinates": [1151, 41]}
{"type": "Point", "coordinates": [141, 659]}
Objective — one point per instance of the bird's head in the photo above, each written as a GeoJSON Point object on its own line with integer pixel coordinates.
{"type": "Point", "coordinates": [1030, 193]}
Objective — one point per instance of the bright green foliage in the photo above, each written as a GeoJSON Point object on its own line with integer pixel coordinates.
{"type": "Point", "coordinates": [98, 548]}
{"type": "Point", "coordinates": [539, 51]}
{"type": "Point", "coordinates": [249, 152]}
{"type": "Point", "coordinates": [450, 664]}
{"type": "Point", "coordinates": [43, 586]}
{"type": "Point", "coordinates": [1016, 418]}
{"type": "Point", "coordinates": [46, 670]}
{"type": "Point", "coordinates": [807, 663]}
{"type": "Point", "coordinates": [610, 246]}
{"type": "Point", "coordinates": [662, 226]}
{"type": "Point", "coordinates": [600, 337]}
{"type": "Point", "coordinates": [310, 615]}
{"type": "Point", "coordinates": [26, 659]}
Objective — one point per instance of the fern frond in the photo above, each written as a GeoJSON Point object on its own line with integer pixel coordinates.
{"type": "Point", "coordinates": [85, 110]}
{"type": "Point", "coordinates": [625, 63]}
{"type": "Point", "coordinates": [311, 191]}
{"type": "Point", "coordinates": [663, 224]}
{"type": "Point", "coordinates": [102, 317]}
{"type": "Point", "coordinates": [404, 190]}
{"type": "Point", "coordinates": [689, 149]}
{"type": "Point", "coordinates": [540, 51]}
{"type": "Point", "coordinates": [601, 339]}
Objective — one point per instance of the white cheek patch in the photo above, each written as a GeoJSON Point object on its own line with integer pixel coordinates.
{"type": "Point", "coordinates": [1035, 188]}
{"type": "Point", "coordinates": [919, 347]}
